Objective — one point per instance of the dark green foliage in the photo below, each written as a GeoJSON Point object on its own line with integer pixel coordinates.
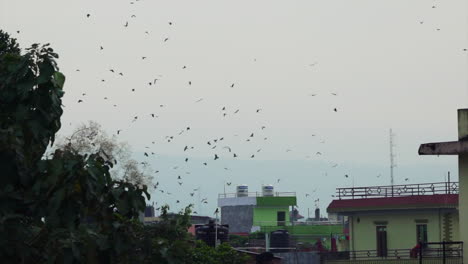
{"type": "Point", "coordinates": [7, 44]}
{"type": "Point", "coordinates": [66, 208]}
{"type": "Point", "coordinates": [223, 254]}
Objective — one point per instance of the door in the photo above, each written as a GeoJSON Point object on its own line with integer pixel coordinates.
{"type": "Point", "coordinates": [281, 218]}
{"type": "Point", "coordinates": [381, 241]}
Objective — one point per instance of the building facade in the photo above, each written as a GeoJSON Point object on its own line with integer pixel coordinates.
{"type": "Point", "coordinates": [383, 219]}
{"type": "Point", "coordinates": [249, 212]}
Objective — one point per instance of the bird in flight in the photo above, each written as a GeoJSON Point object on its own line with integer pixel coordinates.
{"type": "Point", "coordinates": [88, 15]}
{"type": "Point", "coordinates": [166, 39]}
{"type": "Point", "coordinates": [216, 157]}
{"type": "Point", "coordinates": [126, 24]}
{"type": "Point", "coordinates": [228, 183]}
{"type": "Point", "coordinates": [226, 147]}
{"type": "Point", "coordinates": [346, 176]}
{"type": "Point", "coordinates": [232, 85]}
{"type": "Point", "coordinates": [334, 109]}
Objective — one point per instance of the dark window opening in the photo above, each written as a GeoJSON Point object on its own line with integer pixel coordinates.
{"type": "Point", "coordinates": [421, 233]}
{"type": "Point", "coordinates": [281, 218]}
{"type": "Point", "coordinates": [381, 241]}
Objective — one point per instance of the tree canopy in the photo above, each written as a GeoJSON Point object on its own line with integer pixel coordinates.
{"type": "Point", "coordinates": [66, 207]}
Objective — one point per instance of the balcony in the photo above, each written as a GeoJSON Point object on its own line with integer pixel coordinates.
{"type": "Point", "coordinates": [397, 190]}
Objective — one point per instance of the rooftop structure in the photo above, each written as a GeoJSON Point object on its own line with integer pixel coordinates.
{"type": "Point", "coordinates": [246, 212]}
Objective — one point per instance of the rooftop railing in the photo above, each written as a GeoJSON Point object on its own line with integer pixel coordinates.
{"type": "Point", "coordinates": [397, 190]}
{"type": "Point", "coordinates": [443, 251]}
{"type": "Point", "coordinates": [257, 194]}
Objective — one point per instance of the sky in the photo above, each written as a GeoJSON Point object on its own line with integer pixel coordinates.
{"type": "Point", "coordinates": [279, 69]}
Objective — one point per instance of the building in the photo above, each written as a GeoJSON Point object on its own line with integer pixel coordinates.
{"type": "Point", "coordinates": [247, 212]}
{"type": "Point", "coordinates": [383, 219]}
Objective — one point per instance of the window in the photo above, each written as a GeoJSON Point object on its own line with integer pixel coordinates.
{"type": "Point", "coordinates": [421, 233]}
{"type": "Point", "coordinates": [281, 218]}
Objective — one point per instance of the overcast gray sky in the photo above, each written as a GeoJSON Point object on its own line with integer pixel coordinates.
{"type": "Point", "coordinates": [392, 64]}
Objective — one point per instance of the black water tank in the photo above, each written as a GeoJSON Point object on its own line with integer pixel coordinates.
{"type": "Point", "coordinates": [149, 211]}
{"type": "Point", "coordinates": [317, 214]}
{"type": "Point", "coordinates": [207, 233]}
{"type": "Point", "coordinates": [279, 240]}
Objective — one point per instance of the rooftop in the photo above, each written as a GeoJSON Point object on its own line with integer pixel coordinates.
{"type": "Point", "coordinates": [409, 196]}
{"type": "Point", "coordinates": [397, 190]}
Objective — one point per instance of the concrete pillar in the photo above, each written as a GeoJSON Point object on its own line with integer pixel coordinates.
{"type": "Point", "coordinates": [463, 182]}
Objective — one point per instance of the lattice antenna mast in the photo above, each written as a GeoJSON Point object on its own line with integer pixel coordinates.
{"type": "Point", "coordinates": [392, 156]}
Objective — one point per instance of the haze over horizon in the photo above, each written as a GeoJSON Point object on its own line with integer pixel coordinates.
{"type": "Point", "coordinates": [279, 70]}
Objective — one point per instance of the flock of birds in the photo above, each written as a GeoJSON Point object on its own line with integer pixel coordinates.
{"type": "Point", "coordinates": [217, 146]}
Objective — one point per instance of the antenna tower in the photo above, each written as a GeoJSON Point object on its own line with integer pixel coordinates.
{"type": "Point", "coordinates": [392, 156]}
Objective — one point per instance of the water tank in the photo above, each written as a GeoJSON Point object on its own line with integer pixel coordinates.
{"type": "Point", "coordinates": [267, 190]}
{"type": "Point", "coordinates": [317, 214]}
{"type": "Point", "coordinates": [149, 211]}
{"type": "Point", "coordinates": [279, 240]}
{"type": "Point", "coordinates": [242, 190]}
{"type": "Point", "coordinates": [207, 233]}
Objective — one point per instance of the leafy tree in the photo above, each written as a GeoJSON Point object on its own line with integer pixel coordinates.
{"type": "Point", "coordinates": [65, 208]}
{"type": "Point", "coordinates": [7, 44]}
{"type": "Point", "coordinates": [91, 138]}
{"type": "Point", "coordinates": [223, 254]}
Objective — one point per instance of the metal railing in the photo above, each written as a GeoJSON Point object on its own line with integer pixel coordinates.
{"type": "Point", "coordinates": [397, 190]}
{"type": "Point", "coordinates": [446, 252]}
{"type": "Point", "coordinates": [257, 194]}
{"type": "Point", "coordinates": [297, 223]}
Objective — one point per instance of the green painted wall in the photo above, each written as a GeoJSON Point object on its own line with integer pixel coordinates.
{"type": "Point", "coordinates": [318, 230]}
{"type": "Point", "coordinates": [401, 229]}
{"type": "Point", "coordinates": [276, 201]}
{"type": "Point", "coordinates": [267, 216]}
